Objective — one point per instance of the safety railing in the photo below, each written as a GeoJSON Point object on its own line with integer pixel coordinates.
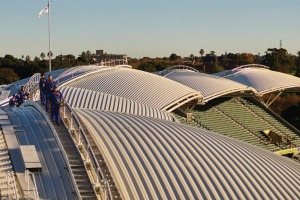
{"type": "Point", "coordinates": [114, 62]}
{"type": "Point", "coordinates": [8, 177]}
{"type": "Point", "coordinates": [41, 110]}
{"type": "Point", "coordinates": [35, 78]}
{"type": "Point", "coordinates": [100, 184]}
{"type": "Point", "coordinates": [34, 187]}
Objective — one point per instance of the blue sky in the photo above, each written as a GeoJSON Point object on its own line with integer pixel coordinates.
{"type": "Point", "coordinates": [153, 28]}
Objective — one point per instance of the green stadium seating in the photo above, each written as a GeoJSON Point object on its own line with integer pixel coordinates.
{"type": "Point", "coordinates": [244, 120]}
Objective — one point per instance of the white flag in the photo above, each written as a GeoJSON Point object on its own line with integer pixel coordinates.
{"type": "Point", "coordinates": [45, 10]}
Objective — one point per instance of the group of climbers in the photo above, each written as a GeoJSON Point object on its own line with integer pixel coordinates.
{"type": "Point", "coordinates": [50, 96]}
{"type": "Point", "coordinates": [19, 98]}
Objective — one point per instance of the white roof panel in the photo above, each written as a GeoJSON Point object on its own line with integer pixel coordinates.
{"type": "Point", "coordinates": [88, 99]}
{"type": "Point", "coordinates": [158, 159]}
{"type": "Point", "coordinates": [262, 79]}
{"type": "Point", "coordinates": [210, 86]}
{"type": "Point", "coordinates": [146, 88]}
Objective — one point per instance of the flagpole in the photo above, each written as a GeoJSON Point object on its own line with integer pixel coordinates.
{"type": "Point", "coordinates": [49, 36]}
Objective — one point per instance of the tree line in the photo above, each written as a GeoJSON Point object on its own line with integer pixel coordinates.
{"type": "Point", "coordinates": [13, 69]}
{"type": "Point", "coordinates": [277, 59]}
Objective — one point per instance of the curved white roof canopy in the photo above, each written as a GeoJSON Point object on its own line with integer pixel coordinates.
{"type": "Point", "coordinates": [88, 99]}
{"type": "Point", "coordinates": [31, 128]}
{"type": "Point", "coordinates": [262, 79]}
{"type": "Point", "coordinates": [157, 159]}
{"type": "Point", "coordinates": [177, 68]}
{"type": "Point", "coordinates": [210, 86]}
{"type": "Point", "coordinates": [146, 88]}
{"type": "Point", "coordinates": [74, 72]}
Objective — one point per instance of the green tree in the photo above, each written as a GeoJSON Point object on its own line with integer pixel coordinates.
{"type": "Point", "coordinates": [88, 55]}
{"type": "Point", "coordinates": [279, 60]}
{"type": "Point", "coordinates": [148, 67]}
{"type": "Point", "coordinates": [7, 76]}
{"type": "Point", "coordinates": [51, 53]}
{"type": "Point", "coordinates": [192, 57]}
{"type": "Point", "coordinates": [10, 57]}
{"type": "Point", "coordinates": [71, 59]}
{"type": "Point", "coordinates": [217, 67]}
{"type": "Point", "coordinates": [36, 59]}
{"type": "Point", "coordinates": [298, 65]}
{"type": "Point", "coordinates": [292, 115]}
{"type": "Point", "coordinates": [246, 58]}
{"type": "Point", "coordinates": [173, 57]}
{"type": "Point", "coordinates": [27, 58]}
{"type": "Point", "coordinates": [201, 53]}
{"type": "Point", "coordinates": [83, 58]}
{"type": "Point", "coordinates": [42, 55]}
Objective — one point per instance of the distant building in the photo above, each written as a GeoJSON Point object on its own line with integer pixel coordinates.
{"type": "Point", "coordinates": [102, 56]}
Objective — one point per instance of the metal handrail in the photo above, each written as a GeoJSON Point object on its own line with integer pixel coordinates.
{"type": "Point", "coordinates": [88, 153]}
{"type": "Point", "coordinates": [7, 175]}
{"type": "Point", "coordinates": [34, 187]}
{"type": "Point", "coordinates": [114, 62]}
{"type": "Point", "coordinates": [35, 78]}
{"type": "Point", "coordinates": [60, 147]}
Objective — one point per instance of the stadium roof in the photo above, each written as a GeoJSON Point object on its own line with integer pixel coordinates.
{"type": "Point", "coordinates": [30, 127]}
{"type": "Point", "coordinates": [88, 99]}
{"type": "Point", "coordinates": [73, 72]}
{"type": "Point", "coordinates": [148, 89]}
{"type": "Point", "coordinates": [210, 86]}
{"type": "Point", "coordinates": [262, 79]}
{"type": "Point", "coordinates": [158, 159]}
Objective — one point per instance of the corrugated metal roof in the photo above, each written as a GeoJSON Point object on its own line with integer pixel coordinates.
{"type": "Point", "coordinates": [262, 79]}
{"type": "Point", "coordinates": [83, 98]}
{"type": "Point", "coordinates": [53, 182]}
{"type": "Point", "coordinates": [210, 86]}
{"type": "Point", "coordinates": [143, 87]}
{"type": "Point", "coordinates": [157, 159]}
{"type": "Point", "coordinates": [76, 71]}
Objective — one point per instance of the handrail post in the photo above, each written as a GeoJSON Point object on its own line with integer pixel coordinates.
{"type": "Point", "coordinates": [27, 180]}
{"type": "Point", "coordinates": [16, 196]}
{"type": "Point", "coordinates": [36, 194]}
{"type": "Point", "coordinates": [7, 186]}
{"type": "Point", "coordinates": [71, 123]}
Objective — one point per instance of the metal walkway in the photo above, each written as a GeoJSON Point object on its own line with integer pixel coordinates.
{"type": "Point", "coordinates": [76, 163]}
{"type": "Point", "coordinates": [86, 172]}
